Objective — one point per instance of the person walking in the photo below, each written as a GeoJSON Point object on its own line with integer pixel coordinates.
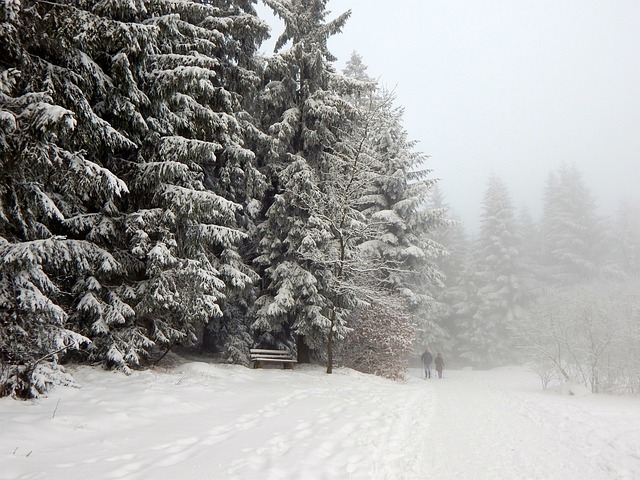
{"type": "Point", "coordinates": [439, 361]}
{"type": "Point", "coordinates": [427, 358]}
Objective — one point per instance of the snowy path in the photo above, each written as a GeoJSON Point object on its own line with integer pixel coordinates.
{"type": "Point", "coordinates": [487, 426]}
{"type": "Point", "coordinates": [203, 421]}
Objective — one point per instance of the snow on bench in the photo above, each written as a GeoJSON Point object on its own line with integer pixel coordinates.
{"type": "Point", "coordinates": [260, 356]}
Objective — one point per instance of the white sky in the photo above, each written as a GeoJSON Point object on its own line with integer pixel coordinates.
{"type": "Point", "coordinates": [510, 86]}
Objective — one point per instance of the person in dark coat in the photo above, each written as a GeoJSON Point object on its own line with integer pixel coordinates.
{"type": "Point", "coordinates": [439, 361]}
{"type": "Point", "coordinates": [427, 358]}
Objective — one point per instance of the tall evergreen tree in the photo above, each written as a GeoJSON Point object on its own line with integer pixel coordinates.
{"type": "Point", "coordinates": [343, 192]}
{"type": "Point", "coordinates": [625, 239]}
{"type": "Point", "coordinates": [302, 112]}
{"type": "Point", "coordinates": [197, 171]}
{"type": "Point", "coordinates": [571, 229]}
{"type": "Point", "coordinates": [398, 202]}
{"type": "Point", "coordinates": [394, 199]}
{"type": "Point", "coordinates": [355, 68]}
{"type": "Point", "coordinates": [439, 326]}
{"type": "Point", "coordinates": [54, 152]}
{"type": "Point", "coordinates": [124, 119]}
{"type": "Point", "coordinates": [497, 270]}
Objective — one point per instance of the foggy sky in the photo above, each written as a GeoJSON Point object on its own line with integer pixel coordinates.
{"type": "Point", "coordinates": [513, 87]}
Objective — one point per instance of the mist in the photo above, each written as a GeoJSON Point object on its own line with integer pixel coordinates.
{"type": "Point", "coordinates": [528, 114]}
{"type": "Point", "coordinates": [511, 88]}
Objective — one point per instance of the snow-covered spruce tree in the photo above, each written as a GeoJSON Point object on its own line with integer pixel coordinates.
{"type": "Point", "coordinates": [153, 91]}
{"type": "Point", "coordinates": [52, 149]}
{"type": "Point", "coordinates": [361, 268]}
{"type": "Point", "coordinates": [363, 219]}
{"type": "Point", "coordinates": [624, 251]}
{"type": "Point", "coordinates": [497, 266]}
{"type": "Point", "coordinates": [399, 246]}
{"type": "Point", "coordinates": [302, 111]}
{"type": "Point", "coordinates": [571, 230]}
{"type": "Point", "coordinates": [330, 203]}
{"type": "Point", "coordinates": [397, 202]}
{"type": "Point", "coordinates": [532, 272]}
{"type": "Point", "coordinates": [356, 69]}
{"type": "Point", "coordinates": [196, 180]}
{"type": "Point", "coordinates": [438, 327]}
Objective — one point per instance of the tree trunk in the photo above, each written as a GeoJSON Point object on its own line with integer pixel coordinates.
{"type": "Point", "coordinates": [208, 344]}
{"type": "Point", "coordinates": [303, 350]}
{"type": "Point", "coordinates": [330, 343]}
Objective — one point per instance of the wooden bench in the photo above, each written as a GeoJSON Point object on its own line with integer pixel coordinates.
{"type": "Point", "coordinates": [260, 356]}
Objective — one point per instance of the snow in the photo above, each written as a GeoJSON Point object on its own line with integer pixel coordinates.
{"type": "Point", "coordinates": [210, 421]}
{"type": "Point", "coordinates": [46, 115]}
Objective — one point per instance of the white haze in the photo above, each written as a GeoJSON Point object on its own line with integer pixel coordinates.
{"type": "Point", "coordinates": [514, 88]}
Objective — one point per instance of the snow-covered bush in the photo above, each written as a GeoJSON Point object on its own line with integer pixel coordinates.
{"type": "Point", "coordinates": [228, 337]}
{"type": "Point", "coordinates": [32, 381]}
{"type": "Point", "coordinates": [586, 334]}
{"type": "Point", "coordinates": [380, 343]}
{"type": "Point", "coordinates": [546, 371]}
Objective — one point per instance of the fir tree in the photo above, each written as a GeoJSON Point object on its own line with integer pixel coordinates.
{"type": "Point", "coordinates": [439, 326]}
{"type": "Point", "coordinates": [118, 121]}
{"type": "Point", "coordinates": [397, 202]}
{"type": "Point", "coordinates": [54, 149]}
{"type": "Point", "coordinates": [532, 272]}
{"type": "Point", "coordinates": [571, 230]}
{"type": "Point", "coordinates": [196, 180]}
{"type": "Point", "coordinates": [343, 192]}
{"type": "Point", "coordinates": [497, 270]}
{"type": "Point", "coordinates": [399, 246]}
{"type": "Point", "coordinates": [192, 177]}
{"type": "Point", "coordinates": [355, 68]}
{"type": "Point", "coordinates": [625, 239]}
{"type": "Point", "coordinates": [302, 112]}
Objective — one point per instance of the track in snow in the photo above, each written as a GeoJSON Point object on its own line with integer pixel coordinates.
{"type": "Point", "coordinates": [223, 422]}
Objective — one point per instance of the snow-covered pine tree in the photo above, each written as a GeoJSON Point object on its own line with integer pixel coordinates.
{"type": "Point", "coordinates": [497, 266]}
{"type": "Point", "coordinates": [361, 266]}
{"type": "Point", "coordinates": [194, 179]}
{"type": "Point", "coordinates": [153, 93]}
{"type": "Point", "coordinates": [396, 202]}
{"type": "Point", "coordinates": [52, 153]}
{"type": "Point", "coordinates": [342, 180]}
{"type": "Point", "coordinates": [571, 230]}
{"type": "Point", "coordinates": [356, 69]}
{"type": "Point", "coordinates": [400, 254]}
{"type": "Point", "coordinates": [438, 326]}
{"type": "Point", "coordinates": [197, 179]}
{"type": "Point", "coordinates": [532, 274]}
{"type": "Point", "coordinates": [302, 111]}
{"type": "Point", "coordinates": [625, 239]}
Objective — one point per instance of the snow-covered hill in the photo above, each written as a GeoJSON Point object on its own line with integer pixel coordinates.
{"type": "Point", "coordinates": [206, 421]}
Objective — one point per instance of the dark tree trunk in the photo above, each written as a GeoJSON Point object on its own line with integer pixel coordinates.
{"type": "Point", "coordinates": [330, 343]}
{"type": "Point", "coordinates": [209, 340]}
{"type": "Point", "coordinates": [303, 350]}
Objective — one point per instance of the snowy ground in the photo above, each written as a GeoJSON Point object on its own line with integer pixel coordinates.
{"type": "Point", "coordinates": [204, 421]}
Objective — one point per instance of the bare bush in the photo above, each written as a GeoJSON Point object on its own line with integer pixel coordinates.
{"type": "Point", "coordinates": [380, 342]}
{"type": "Point", "coordinates": [587, 333]}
